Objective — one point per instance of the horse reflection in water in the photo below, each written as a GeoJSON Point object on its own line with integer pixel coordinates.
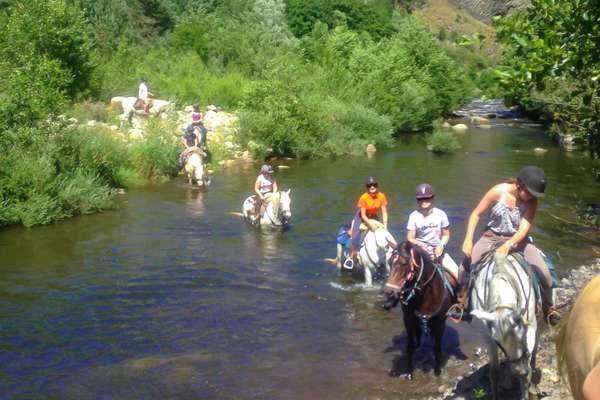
{"type": "Point", "coordinates": [578, 343]}
{"type": "Point", "coordinates": [424, 290]}
{"type": "Point", "coordinates": [277, 209]}
{"type": "Point", "coordinates": [372, 256]}
{"type": "Point", "coordinates": [503, 298]}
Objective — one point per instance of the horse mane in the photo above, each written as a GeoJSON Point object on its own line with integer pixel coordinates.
{"type": "Point", "coordinates": [275, 197]}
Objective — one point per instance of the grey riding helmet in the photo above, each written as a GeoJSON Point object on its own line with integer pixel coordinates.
{"type": "Point", "coordinates": [534, 180]}
{"type": "Point", "coordinates": [266, 169]}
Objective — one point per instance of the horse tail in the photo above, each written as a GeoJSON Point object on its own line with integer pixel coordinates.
{"type": "Point", "coordinates": [331, 260]}
{"type": "Point", "coordinates": [238, 214]}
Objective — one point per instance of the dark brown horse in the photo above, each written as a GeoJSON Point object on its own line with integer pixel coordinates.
{"type": "Point", "coordinates": [418, 284]}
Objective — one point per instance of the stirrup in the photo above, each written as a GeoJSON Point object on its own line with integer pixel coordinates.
{"type": "Point", "coordinates": [457, 313]}
{"type": "Point", "coordinates": [349, 263]}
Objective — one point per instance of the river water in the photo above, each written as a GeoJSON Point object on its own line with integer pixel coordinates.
{"type": "Point", "coordinates": [171, 296]}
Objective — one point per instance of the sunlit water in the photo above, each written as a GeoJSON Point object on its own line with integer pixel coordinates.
{"type": "Point", "coordinates": [171, 296]}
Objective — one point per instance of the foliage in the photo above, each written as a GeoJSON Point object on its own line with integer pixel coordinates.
{"type": "Point", "coordinates": [408, 77]}
{"type": "Point", "coordinates": [479, 393]}
{"type": "Point", "coordinates": [289, 113]}
{"type": "Point", "coordinates": [589, 215]}
{"type": "Point", "coordinates": [441, 141]}
{"type": "Point", "coordinates": [44, 57]}
{"type": "Point", "coordinates": [373, 17]}
{"type": "Point", "coordinates": [552, 57]}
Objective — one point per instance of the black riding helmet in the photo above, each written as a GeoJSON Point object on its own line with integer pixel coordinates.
{"type": "Point", "coordinates": [371, 181]}
{"type": "Point", "coordinates": [534, 180]}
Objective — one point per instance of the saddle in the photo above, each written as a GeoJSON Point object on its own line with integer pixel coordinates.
{"type": "Point", "coordinates": [139, 104]}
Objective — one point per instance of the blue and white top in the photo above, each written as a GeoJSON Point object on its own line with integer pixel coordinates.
{"type": "Point", "coordinates": [504, 221]}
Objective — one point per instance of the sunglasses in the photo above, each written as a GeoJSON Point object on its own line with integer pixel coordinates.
{"type": "Point", "coordinates": [425, 199]}
{"type": "Point", "coordinates": [372, 185]}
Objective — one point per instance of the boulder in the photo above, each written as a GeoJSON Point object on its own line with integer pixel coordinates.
{"type": "Point", "coordinates": [460, 127]}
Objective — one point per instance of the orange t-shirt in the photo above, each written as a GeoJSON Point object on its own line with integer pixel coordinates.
{"type": "Point", "coordinates": [370, 204]}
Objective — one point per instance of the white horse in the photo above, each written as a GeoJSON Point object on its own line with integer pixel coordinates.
{"type": "Point", "coordinates": [277, 209]}
{"type": "Point", "coordinates": [373, 254]}
{"type": "Point", "coordinates": [503, 298]}
{"type": "Point", "coordinates": [127, 104]}
{"type": "Point", "coordinates": [195, 169]}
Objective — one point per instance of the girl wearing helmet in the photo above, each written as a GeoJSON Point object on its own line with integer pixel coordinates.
{"type": "Point", "coordinates": [368, 205]}
{"type": "Point", "coordinates": [428, 227]}
{"type": "Point", "coordinates": [512, 208]}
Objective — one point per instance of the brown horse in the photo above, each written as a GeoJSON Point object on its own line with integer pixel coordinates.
{"type": "Point", "coordinates": [420, 285]}
{"type": "Point", "coordinates": [578, 343]}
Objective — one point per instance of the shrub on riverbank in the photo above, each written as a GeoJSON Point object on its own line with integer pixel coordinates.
{"type": "Point", "coordinates": [440, 141]}
{"type": "Point", "coordinates": [54, 172]}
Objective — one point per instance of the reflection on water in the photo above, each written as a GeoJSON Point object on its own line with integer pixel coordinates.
{"type": "Point", "coordinates": [171, 296]}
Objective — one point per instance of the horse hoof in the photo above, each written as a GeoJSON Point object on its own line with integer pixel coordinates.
{"type": "Point", "coordinates": [409, 377]}
{"type": "Point", "coordinates": [437, 371]}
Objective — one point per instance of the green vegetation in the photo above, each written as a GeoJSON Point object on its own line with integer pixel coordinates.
{"type": "Point", "coordinates": [551, 64]}
{"type": "Point", "coordinates": [308, 79]}
{"type": "Point", "coordinates": [441, 141]}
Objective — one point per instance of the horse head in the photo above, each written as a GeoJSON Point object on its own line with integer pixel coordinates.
{"type": "Point", "coordinates": [406, 265]}
{"type": "Point", "coordinates": [508, 311]}
{"type": "Point", "coordinates": [284, 209]}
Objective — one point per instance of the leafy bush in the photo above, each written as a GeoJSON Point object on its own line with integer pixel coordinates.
{"type": "Point", "coordinates": [441, 141]}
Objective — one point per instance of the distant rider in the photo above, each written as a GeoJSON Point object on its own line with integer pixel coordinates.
{"type": "Point", "coordinates": [368, 205]}
{"type": "Point", "coordinates": [143, 94]}
{"type": "Point", "coordinates": [264, 186]}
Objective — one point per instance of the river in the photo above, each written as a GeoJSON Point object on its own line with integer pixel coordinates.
{"type": "Point", "coordinates": [171, 296]}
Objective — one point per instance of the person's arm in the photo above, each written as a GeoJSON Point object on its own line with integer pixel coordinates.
{"type": "Point", "coordinates": [439, 249]}
{"type": "Point", "coordinates": [524, 226]}
{"type": "Point", "coordinates": [488, 199]}
{"type": "Point", "coordinates": [275, 188]}
{"type": "Point", "coordinates": [185, 143]}
{"type": "Point", "coordinates": [257, 188]}
{"type": "Point", "coordinates": [411, 237]}
{"type": "Point", "coordinates": [384, 216]}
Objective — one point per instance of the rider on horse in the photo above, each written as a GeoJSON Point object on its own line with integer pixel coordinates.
{"type": "Point", "coordinates": [143, 94]}
{"type": "Point", "coordinates": [191, 141]}
{"type": "Point", "coordinates": [428, 228]}
{"type": "Point", "coordinates": [512, 208]}
{"type": "Point", "coordinates": [264, 186]}
{"type": "Point", "coordinates": [368, 205]}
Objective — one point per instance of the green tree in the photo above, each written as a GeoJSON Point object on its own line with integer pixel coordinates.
{"type": "Point", "coordinates": [552, 59]}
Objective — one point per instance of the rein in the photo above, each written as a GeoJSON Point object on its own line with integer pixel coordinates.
{"type": "Point", "coordinates": [424, 318]}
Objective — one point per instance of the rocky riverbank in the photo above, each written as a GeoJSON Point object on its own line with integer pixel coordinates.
{"type": "Point", "coordinates": [475, 383]}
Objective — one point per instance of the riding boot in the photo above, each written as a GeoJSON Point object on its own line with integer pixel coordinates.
{"type": "Point", "coordinates": [551, 316]}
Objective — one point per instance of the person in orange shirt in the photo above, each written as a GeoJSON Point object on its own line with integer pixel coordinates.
{"type": "Point", "coordinates": [368, 205]}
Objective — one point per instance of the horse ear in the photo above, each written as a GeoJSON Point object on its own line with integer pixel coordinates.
{"type": "Point", "coordinates": [289, 190]}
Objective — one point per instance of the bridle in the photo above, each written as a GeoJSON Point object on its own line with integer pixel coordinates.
{"type": "Point", "coordinates": [411, 285]}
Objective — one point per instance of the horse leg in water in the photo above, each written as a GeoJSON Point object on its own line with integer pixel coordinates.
{"type": "Point", "coordinates": [413, 332]}
{"type": "Point", "coordinates": [438, 325]}
{"type": "Point", "coordinates": [494, 368]}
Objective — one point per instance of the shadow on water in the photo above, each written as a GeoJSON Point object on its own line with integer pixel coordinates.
{"type": "Point", "coordinates": [423, 358]}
